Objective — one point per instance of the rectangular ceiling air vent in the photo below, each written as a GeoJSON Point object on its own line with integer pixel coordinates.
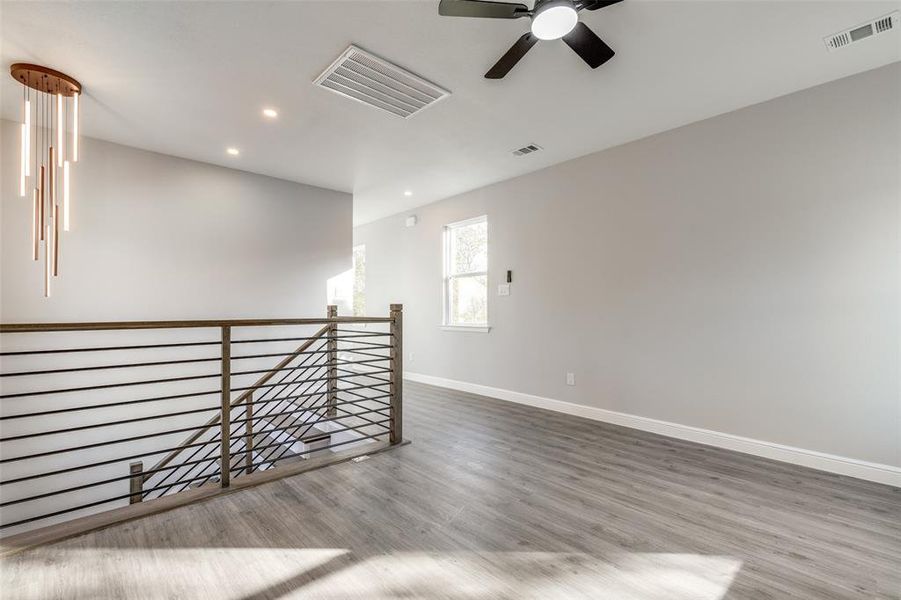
{"type": "Point", "coordinates": [366, 78]}
{"type": "Point", "coordinates": [526, 150]}
{"type": "Point", "coordinates": [862, 32]}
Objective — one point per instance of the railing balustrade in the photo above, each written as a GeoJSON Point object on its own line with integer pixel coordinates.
{"type": "Point", "coordinates": [99, 415]}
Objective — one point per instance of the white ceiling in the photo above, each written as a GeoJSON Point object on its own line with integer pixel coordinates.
{"type": "Point", "coordinates": [190, 78]}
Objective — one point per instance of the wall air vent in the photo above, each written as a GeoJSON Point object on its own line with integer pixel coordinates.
{"type": "Point", "coordinates": [863, 31]}
{"type": "Point", "coordinates": [366, 78]}
{"type": "Point", "coordinates": [526, 150]}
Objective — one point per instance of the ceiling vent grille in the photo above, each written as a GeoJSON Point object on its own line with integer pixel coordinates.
{"type": "Point", "coordinates": [526, 150]}
{"type": "Point", "coordinates": [862, 32]}
{"type": "Point", "coordinates": [366, 78]}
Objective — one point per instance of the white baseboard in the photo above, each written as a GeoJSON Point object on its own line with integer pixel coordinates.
{"type": "Point", "coordinates": [831, 463]}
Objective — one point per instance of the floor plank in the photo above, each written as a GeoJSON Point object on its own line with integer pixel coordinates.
{"type": "Point", "coordinates": [498, 500]}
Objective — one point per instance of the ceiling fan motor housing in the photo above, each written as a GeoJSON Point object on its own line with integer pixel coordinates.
{"type": "Point", "coordinates": [552, 19]}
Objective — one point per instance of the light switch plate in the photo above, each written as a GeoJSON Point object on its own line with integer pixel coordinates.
{"type": "Point", "coordinates": [503, 289]}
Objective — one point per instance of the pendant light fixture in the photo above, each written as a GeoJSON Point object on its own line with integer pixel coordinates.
{"type": "Point", "coordinates": [49, 145]}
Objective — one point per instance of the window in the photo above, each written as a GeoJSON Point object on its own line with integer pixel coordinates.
{"type": "Point", "coordinates": [348, 289]}
{"type": "Point", "coordinates": [359, 286]}
{"type": "Point", "coordinates": [466, 273]}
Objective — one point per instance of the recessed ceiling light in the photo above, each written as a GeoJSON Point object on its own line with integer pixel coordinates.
{"type": "Point", "coordinates": [270, 112]}
{"type": "Point", "coordinates": [233, 151]}
{"type": "Point", "coordinates": [408, 193]}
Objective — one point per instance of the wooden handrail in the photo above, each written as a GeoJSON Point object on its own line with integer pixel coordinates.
{"type": "Point", "coordinates": [107, 325]}
{"type": "Point", "coordinates": [240, 399]}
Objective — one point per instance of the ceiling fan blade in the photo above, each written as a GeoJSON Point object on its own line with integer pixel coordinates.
{"type": "Point", "coordinates": [482, 8]}
{"type": "Point", "coordinates": [509, 60]}
{"type": "Point", "coordinates": [596, 4]}
{"type": "Point", "coordinates": [589, 46]}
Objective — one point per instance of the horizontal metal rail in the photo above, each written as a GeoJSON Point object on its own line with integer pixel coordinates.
{"type": "Point", "coordinates": [382, 424]}
{"type": "Point", "coordinates": [74, 508]}
{"type": "Point", "coordinates": [106, 386]}
{"type": "Point", "coordinates": [311, 451]}
{"type": "Point", "coordinates": [118, 459]}
{"type": "Point", "coordinates": [25, 436]}
{"type": "Point", "coordinates": [179, 465]}
{"type": "Point", "coordinates": [107, 348]}
{"type": "Point", "coordinates": [294, 397]}
{"type": "Point", "coordinates": [132, 438]}
{"type": "Point", "coordinates": [365, 334]}
{"type": "Point", "coordinates": [159, 363]}
{"type": "Point", "coordinates": [294, 412]}
{"type": "Point", "coordinates": [57, 411]}
{"type": "Point", "coordinates": [111, 442]}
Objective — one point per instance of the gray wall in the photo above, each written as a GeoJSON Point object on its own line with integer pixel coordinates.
{"type": "Point", "coordinates": [739, 274]}
{"type": "Point", "coordinates": [158, 237]}
{"type": "Point", "coordinates": [153, 237]}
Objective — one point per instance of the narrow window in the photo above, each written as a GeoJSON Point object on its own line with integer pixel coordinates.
{"type": "Point", "coordinates": [359, 286]}
{"type": "Point", "coordinates": [466, 273]}
{"type": "Point", "coordinates": [347, 289]}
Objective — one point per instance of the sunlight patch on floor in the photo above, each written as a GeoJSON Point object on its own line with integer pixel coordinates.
{"type": "Point", "coordinates": [529, 575]}
{"type": "Point", "coordinates": [337, 574]}
{"type": "Point", "coordinates": [114, 573]}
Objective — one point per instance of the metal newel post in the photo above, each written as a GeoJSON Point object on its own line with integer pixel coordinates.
{"type": "Point", "coordinates": [136, 483]}
{"type": "Point", "coordinates": [397, 373]}
{"type": "Point", "coordinates": [225, 458]}
{"type": "Point", "coordinates": [332, 313]}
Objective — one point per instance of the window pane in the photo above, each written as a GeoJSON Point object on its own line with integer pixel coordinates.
{"type": "Point", "coordinates": [468, 300]}
{"type": "Point", "coordinates": [469, 248]}
{"type": "Point", "coordinates": [359, 285]}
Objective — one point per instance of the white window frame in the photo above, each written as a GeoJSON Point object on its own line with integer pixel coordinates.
{"type": "Point", "coordinates": [446, 323]}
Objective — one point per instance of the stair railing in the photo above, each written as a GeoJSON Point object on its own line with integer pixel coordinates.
{"type": "Point", "coordinates": [84, 406]}
{"type": "Point", "coordinates": [245, 399]}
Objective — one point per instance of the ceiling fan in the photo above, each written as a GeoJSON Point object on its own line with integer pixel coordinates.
{"type": "Point", "coordinates": [551, 20]}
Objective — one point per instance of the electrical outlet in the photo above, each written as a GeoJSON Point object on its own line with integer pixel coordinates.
{"type": "Point", "coordinates": [410, 357]}
{"type": "Point", "coordinates": [503, 289]}
{"type": "Point", "coordinates": [570, 379]}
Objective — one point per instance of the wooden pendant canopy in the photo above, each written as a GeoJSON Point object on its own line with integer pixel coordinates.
{"type": "Point", "coordinates": [44, 79]}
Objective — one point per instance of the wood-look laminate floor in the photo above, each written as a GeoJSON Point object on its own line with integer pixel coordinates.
{"type": "Point", "coordinates": [497, 500]}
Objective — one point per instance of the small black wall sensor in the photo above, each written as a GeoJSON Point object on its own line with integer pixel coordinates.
{"type": "Point", "coordinates": [509, 276]}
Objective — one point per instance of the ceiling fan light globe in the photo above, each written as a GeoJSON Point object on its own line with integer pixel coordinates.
{"type": "Point", "coordinates": [553, 20]}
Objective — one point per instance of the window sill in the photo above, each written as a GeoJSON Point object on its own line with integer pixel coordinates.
{"type": "Point", "coordinates": [468, 328]}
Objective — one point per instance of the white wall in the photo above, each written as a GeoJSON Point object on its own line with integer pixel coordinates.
{"type": "Point", "coordinates": [159, 237]}
{"type": "Point", "coordinates": [740, 274]}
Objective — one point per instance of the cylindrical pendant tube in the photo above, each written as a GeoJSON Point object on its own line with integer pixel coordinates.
{"type": "Point", "coordinates": [43, 216]}
{"type": "Point", "coordinates": [47, 253]}
{"type": "Point", "coordinates": [75, 127]}
{"type": "Point", "coordinates": [35, 225]}
{"type": "Point", "coordinates": [27, 137]}
{"type": "Point", "coordinates": [56, 240]}
{"type": "Point", "coordinates": [66, 201]}
{"type": "Point", "coordinates": [60, 129]}
{"type": "Point", "coordinates": [52, 174]}
{"type": "Point", "coordinates": [24, 162]}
